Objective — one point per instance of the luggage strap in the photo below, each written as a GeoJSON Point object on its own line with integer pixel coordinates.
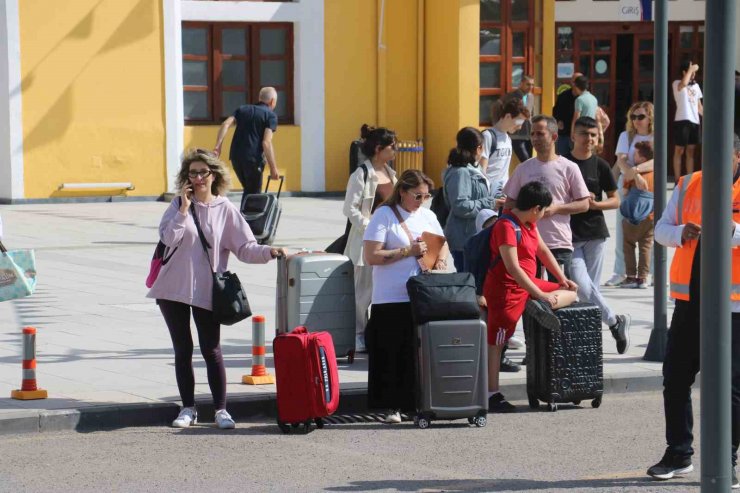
{"type": "Point", "coordinates": [411, 237]}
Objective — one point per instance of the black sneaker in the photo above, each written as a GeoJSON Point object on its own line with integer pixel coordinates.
{"type": "Point", "coordinates": [670, 466]}
{"type": "Point", "coordinates": [621, 332]}
{"type": "Point", "coordinates": [497, 403]}
{"type": "Point", "coordinates": [735, 482]}
{"type": "Point", "coordinates": [543, 314]}
{"type": "Point", "coordinates": [509, 366]}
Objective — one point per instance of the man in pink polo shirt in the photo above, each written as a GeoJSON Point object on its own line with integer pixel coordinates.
{"type": "Point", "coordinates": [564, 181]}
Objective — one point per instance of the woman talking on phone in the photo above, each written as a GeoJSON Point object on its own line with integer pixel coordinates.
{"type": "Point", "coordinates": [185, 283]}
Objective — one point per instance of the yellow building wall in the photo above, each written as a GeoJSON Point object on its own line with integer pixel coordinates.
{"type": "Point", "coordinates": [451, 77]}
{"type": "Point", "coordinates": [399, 104]}
{"type": "Point", "coordinates": [93, 94]}
{"type": "Point", "coordinates": [286, 141]}
{"type": "Point", "coordinates": [350, 70]}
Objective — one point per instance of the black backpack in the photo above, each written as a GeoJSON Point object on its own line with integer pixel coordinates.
{"type": "Point", "coordinates": [439, 205]}
{"type": "Point", "coordinates": [477, 252]}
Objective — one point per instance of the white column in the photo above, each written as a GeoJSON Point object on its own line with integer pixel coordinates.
{"type": "Point", "coordinates": [175, 114]}
{"type": "Point", "coordinates": [11, 116]}
{"type": "Point", "coordinates": [310, 93]}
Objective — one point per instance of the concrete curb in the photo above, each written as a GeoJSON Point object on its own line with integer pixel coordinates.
{"type": "Point", "coordinates": [353, 400]}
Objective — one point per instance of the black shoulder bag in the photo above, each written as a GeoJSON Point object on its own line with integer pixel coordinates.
{"type": "Point", "coordinates": [230, 304]}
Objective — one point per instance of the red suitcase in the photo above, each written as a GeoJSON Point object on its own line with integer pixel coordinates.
{"type": "Point", "coordinates": [307, 378]}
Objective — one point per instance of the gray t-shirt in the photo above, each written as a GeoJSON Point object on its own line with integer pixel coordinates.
{"type": "Point", "coordinates": [586, 104]}
{"type": "Point", "coordinates": [497, 171]}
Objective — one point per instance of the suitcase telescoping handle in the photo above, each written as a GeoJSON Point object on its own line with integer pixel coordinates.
{"type": "Point", "coordinates": [267, 185]}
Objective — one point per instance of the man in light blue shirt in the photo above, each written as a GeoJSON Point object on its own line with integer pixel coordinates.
{"type": "Point", "coordinates": [586, 103]}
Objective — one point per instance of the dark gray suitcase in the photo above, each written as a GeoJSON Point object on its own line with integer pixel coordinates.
{"type": "Point", "coordinates": [262, 212]}
{"type": "Point", "coordinates": [317, 291]}
{"type": "Point", "coordinates": [565, 363]}
{"type": "Point", "coordinates": [452, 372]}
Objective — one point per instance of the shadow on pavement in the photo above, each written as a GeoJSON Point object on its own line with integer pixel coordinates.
{"type": "Point", "coordinates": [451, 486]}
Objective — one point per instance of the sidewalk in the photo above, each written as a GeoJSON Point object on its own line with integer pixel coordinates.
{"type": "Point", "coordinates": [104, 353]}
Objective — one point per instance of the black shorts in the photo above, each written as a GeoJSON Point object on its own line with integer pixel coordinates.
{"type": "Point", "coordinates": [686, 133]}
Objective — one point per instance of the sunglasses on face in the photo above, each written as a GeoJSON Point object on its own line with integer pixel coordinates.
{"type": "Point", "coordinates": [199, 174]}
{"type": "Point", "coordinates": [638, 117]}
{"type": "Point", "coordinates": [421, 196]}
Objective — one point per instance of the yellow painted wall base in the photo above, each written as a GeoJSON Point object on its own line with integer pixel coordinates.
{"type": "Point", "coordinates": [28, 395]}
{"type": "Point", "coordinates": [287, 143]}
{"type": "Point", "coordinates": [263, 380]}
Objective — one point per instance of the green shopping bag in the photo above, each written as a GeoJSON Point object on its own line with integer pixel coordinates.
{"type": "Point", "coordinates": [17, 273]}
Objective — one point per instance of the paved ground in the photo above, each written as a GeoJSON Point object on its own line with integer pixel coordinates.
{"type": "Point", "coordinates": [575, 450]}
{"type": "Point", "coordinates": [101, 342]}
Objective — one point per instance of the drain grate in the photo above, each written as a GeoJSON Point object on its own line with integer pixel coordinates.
{"type": "Point", "coordinates": [348, 419]}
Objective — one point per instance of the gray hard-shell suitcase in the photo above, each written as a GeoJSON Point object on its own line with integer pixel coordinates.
{"type": "Point", "coordinates": [564, 358]}
{"type": "Point", "coordinates": [452, 372]}
{"type": "Point", "coordinates": [317, 290]}
{"type": "Point", "coordinates": [262, 212]}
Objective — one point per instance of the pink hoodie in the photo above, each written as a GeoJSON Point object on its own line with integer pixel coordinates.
{"type": "Point", "coordinates": [187, 277]}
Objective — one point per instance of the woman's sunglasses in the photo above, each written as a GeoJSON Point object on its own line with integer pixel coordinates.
{"type": "Point", "coordinates": [199, 174]}
{"type": "Point", "coordinates": [422, 196]}
{"type": "Point", "coordinates": [638, 117]}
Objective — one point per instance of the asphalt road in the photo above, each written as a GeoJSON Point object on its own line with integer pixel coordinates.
{"type": "Point", "coordinates": [575, 449]}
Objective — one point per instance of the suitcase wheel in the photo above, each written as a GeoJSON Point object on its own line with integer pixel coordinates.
{"type": "Point", "coordinates": [534, 403]}
{"type": "Point", "coordinates": [552, 407]}
{"type": "Point", "coordinates": [319, 423]}
{"type": "Point", "coordinates": [351, 357]}
{"type": "Point", "coordinates": [422, 422]}
{"type": "Point", "coordinates": [596, 402]}
{"type": "Point", "coordinates": [576, 403]}
{"type": "Point", "coordinates": [307, 426]}
{"type": "Point", "coordinates": [480, 421]}
{"type": "Point", "coordinates": [284, 427]}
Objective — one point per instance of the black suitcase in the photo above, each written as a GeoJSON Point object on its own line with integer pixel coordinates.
{"type": "Point", "coordinates": [262, 212]}
{"type": "Point", "coordinates": [564, 354]}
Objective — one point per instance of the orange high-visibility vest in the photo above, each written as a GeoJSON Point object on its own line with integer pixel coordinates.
{"type": "Point", "coordinates": [689, 210]}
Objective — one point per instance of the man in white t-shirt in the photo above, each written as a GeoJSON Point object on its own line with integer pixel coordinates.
{"type": "Point", "coordinates": [564, 181]}
{"type": "Point", "coordinates": [508, 117]}
{"type": "Point", "coordinates": [689, 110]}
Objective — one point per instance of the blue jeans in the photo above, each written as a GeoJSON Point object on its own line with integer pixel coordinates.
{"type": "Point", "coordinates": [586, 265]}
{"type": "Point", "coordinates": [619, 268]}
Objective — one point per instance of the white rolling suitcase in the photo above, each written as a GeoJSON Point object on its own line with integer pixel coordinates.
{"type": "Point", "coordinates": [317, 290]}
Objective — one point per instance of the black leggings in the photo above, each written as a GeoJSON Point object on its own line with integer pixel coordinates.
{"type": "Point", "coordinates": [177, 317]}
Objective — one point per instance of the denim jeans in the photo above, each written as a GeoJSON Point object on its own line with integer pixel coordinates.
{"type": "Point", "coordinates": [619, 266]}
{"type": "Point", "coordinates": [563, 258]}
{"type": "Point", "coordinates": [586, 264]}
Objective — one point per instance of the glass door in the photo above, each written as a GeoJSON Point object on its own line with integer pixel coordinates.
{"type": "Point", "coordinates": [595, 56]}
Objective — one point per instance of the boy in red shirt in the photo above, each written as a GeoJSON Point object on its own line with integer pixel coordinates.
{"type": "Point", "coordinates": [511, 282]}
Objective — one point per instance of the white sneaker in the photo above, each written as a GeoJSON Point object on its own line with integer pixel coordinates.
{"type": "Point", "coordinates": [515, 343]}
{"type": "Point", "coordinates": [224, 420]}
{"type": "Point", "coordinates": [188, 416]}
{"type": "Point", "coordinates": [615, 280]}
{"type": "Point", "coordinates": [360, 344]}
{"type": "Point", "coordinates": [393, 417]}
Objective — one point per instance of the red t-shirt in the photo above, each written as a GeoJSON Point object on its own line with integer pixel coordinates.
{"type": "Point", "coordinates": [503, 233]}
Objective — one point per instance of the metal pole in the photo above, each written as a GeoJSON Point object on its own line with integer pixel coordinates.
{"type": "Point", "coordinates": [659, 335]}
{"type": "Point", "coordinates": [716, 262]}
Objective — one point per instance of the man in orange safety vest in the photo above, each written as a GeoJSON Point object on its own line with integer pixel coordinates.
{"type": "Point", "coordinates": [680, 227]}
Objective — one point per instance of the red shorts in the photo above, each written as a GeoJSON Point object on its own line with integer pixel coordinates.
{"type": "Point", "coordinates": [505, 310]}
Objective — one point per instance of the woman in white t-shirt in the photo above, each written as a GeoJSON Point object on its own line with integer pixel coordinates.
{"type": "Point", "coordinates": [495, 160]}
{"type": "Point", "coordinates": [639, 128]}
{"type": "Point", "coordinates": [390, 331]}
